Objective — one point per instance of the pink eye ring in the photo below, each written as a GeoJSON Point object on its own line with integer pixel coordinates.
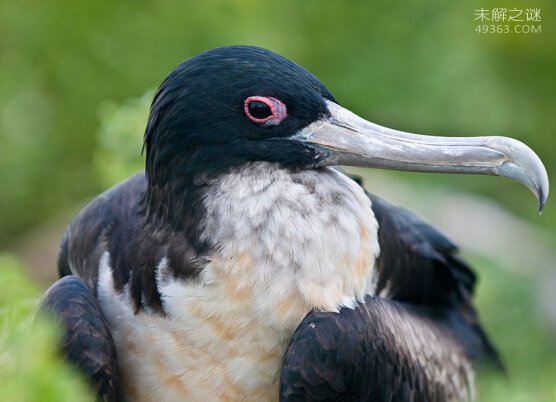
{"type": "Point", "coordinates": [265, 110]}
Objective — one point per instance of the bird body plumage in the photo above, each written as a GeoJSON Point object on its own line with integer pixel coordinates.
{"type": "Point", "coordinates": [282, 243]}
{"type": "Point", "coordinates": [236, 313]}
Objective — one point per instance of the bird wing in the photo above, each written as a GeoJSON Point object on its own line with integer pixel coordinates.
{"type": "Point", "coordinates": [382, 350]}
{"type": "Point", "coordinates": [414, 341]}
{"type": "Point", "coordinates": [113, 223]}
{"type": "Point", "coordinates": [417, 264]}
{"type": "Point", "coordinates": [109, 221]}
{"type": "Point", "coordinates": [87, 342]}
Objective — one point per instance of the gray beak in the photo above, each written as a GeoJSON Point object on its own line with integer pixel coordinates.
{"type": "Point", "coordinates": [349, 140]}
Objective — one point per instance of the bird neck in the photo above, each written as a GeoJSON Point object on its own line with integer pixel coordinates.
{"type": "Point", "coordinates": [296, 240]}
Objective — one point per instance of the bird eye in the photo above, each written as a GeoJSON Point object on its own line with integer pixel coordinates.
{"type": "Point", "coordinates": [265, 110]}
{"type": "Point", "coordinates": [259, 110]}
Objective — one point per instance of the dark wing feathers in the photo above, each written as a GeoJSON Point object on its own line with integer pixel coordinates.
{"type": "Point", "coordinates": [417, 263]}
{"type": "Point", "coordinates": [87, 342]}
{"type": "Point", "coordinates": [363, 355]}
{"type": "Point", "coordinates": [107, 223]}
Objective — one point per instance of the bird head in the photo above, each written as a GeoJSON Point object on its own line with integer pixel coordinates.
{"type": "Point", "coordinates": [239, 104]}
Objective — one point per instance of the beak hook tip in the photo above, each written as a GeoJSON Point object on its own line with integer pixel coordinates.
{"type": "Point", "coordinates": [542, 200]}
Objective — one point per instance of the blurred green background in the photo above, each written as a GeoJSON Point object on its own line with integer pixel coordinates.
{"type": "Point", "coordinates": [76, 79]}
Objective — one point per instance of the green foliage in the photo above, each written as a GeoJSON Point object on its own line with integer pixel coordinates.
{"type": "Point", "coordinates": [418, 66]}
{"type": "Point", "coordinates": [119, 137]}
{"type": "Point", "coordinates": [30, 367]}
{"type": "Point", "coordinates": [507, 302]}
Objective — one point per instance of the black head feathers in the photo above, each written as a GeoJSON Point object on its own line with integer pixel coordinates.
{"type": "Point", "coordinates": [219, 110]}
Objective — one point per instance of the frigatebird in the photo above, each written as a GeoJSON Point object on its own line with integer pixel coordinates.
{"type": "Point", "coordinates": [243, 264]}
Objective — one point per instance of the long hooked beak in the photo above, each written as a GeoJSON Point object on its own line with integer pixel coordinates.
{"type": "Point", "coordinates": [347, 139]}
